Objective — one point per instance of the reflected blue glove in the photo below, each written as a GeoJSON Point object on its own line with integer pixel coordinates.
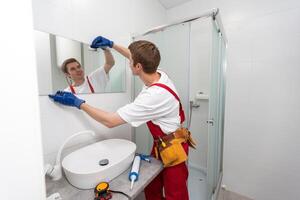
{"type": "Point", "coordinates": [67, 98]}
{"type": "Point", "coordinates": [101, 42]}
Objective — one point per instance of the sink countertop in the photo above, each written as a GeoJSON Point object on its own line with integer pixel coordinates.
{"type": "Point", "coordinates": [148, 171]}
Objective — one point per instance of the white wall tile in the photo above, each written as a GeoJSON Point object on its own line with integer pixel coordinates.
{"type": "Point", "coordinates": [147, 14]}
{"type": "Point", "coordinates": [20, 143]}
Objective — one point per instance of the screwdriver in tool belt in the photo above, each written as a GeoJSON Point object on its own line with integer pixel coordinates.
{"type": "Point", "coordinates": [162, 143]}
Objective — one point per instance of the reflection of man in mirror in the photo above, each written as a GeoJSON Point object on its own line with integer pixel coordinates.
{"type": "Point", "coordinates": [94, 82]}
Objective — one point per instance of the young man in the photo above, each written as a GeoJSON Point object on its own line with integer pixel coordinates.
{"type": "Point", "coordinates": [95, 82]}
{"type": "Point", "coordinates": [157, 105]}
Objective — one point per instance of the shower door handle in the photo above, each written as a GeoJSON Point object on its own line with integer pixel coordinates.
{"type": "Point", "coordinates": [210, 121]}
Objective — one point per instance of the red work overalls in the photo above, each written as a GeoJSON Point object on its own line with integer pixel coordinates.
{"type": "Point", "coordinates": [172, 179]}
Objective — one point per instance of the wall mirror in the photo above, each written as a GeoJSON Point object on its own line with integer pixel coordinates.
{"type": "Point", "coordinates": [65, 64]}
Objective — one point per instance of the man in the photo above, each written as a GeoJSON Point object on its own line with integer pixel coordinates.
{"type": "Point", "coordinates": [95, 82]}
{"type": "Point", "coordinates": [157, 105]}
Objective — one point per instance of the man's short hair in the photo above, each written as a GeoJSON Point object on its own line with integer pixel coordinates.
{"type": "Point", "coordinates": [145, 53]}
{"type": "Point", "coordinates": [66, 62]}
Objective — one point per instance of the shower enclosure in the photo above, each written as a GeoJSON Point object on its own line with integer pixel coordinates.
{"type": "Point", "coordinates": [193, 54]}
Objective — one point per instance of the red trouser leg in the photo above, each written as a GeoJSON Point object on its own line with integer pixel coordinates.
{"type": "Point", "coordinates": [173, 180]}
{"type": "Point", "coordinates": [154, 191]}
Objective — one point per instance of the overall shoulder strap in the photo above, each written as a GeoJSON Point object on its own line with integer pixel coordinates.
{"type": "Point", "coordinates": [72, 89]}
{"type": "Point", "coordinates": [90, 85]}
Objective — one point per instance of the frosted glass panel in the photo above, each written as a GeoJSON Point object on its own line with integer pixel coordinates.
{"type": "Point", "coordinates": [173, 44]}
{"type": "Point", "coordinates": [216, 111]}
{"type": "Point", "coordinates": [213, 115]}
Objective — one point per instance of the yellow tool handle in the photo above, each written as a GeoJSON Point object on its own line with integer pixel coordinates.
{"type": "Point", "coordinates": [163, 144]}
{"type": "Point", "coordinates": [156, 152]}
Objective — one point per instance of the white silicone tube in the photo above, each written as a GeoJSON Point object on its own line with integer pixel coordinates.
{"type": "Point", "coordinates": [133, 176]}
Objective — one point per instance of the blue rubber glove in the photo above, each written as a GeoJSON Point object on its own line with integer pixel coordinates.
{"type": "Point", "coordinates": [67, 98]}
{"type": "Point", "coordinates": [101, 42]}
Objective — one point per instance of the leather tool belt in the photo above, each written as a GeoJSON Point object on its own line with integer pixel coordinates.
{"type": "Point", "coordinates": [169, 147]}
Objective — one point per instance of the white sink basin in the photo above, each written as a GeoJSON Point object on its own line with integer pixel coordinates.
{"type": "Point", "coordinates": [82, 167]}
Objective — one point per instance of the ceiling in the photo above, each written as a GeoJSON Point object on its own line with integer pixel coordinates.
{"type": "Point", "coordinates": [172, 3]}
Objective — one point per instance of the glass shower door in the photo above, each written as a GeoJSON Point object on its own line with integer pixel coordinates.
{"type": "Point", "coordinates": [216, 111]}
{"type": "Point", "coordinates": [174, 45]}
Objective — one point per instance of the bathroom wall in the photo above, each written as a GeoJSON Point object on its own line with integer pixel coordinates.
{"type": "Point", "coordinates": [82, 21]}
{"type": "Point", "coordinates": [262, 105]}
{"type": "Point", "coordinates": [21, 165]}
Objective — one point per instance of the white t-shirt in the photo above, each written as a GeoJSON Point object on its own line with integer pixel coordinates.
{"type": "Point", "coordinates": [98, 80]}
{"type": "Point", "coordinates": [156, 104]}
